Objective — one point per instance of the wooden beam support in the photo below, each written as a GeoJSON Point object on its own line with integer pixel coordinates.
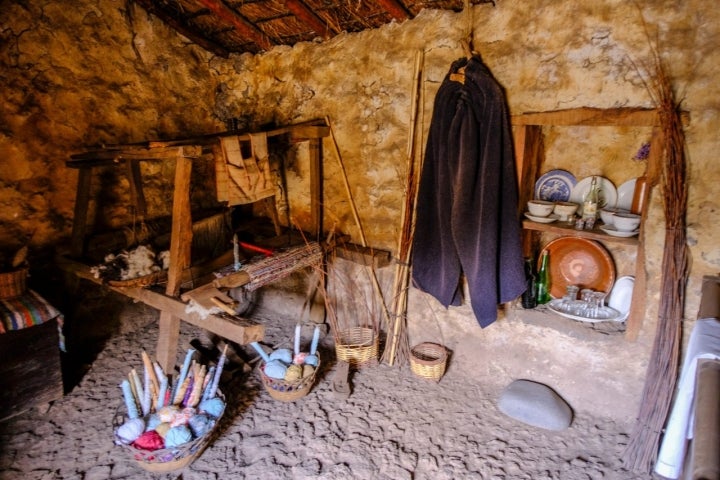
{"type": "Point", "coordinates": [151, 7]}
{"type": "Point", "coordinates": [308, 17]}
{"type": "Point", "coordinates": [117, 155]}
{"type": "Point", "coordinates": [241, 24]}
{"type": "Point", "coordinates": [396, 9]}
{"type": "Point", "coordinates": [595, 117]}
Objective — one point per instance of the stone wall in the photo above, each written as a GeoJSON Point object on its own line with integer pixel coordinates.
{"type": "Point", "coordinates": [109, 73]}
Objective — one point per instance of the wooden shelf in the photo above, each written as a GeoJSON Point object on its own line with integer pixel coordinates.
{"type": "Point", "coordinates": [529, 156]}
{"type": "Point", "coordinates": [567, 230]}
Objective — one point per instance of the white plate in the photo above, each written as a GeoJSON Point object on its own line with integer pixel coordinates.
{"type": "Point", "coordinates": [608, 314]}
{"type": "Point", "coordinates": [549, 219]}
{"type": "Point", "coordinates": [614, 232]}
{"type": "Point", "coordinates": [621, 296]}
{"type": "Point", "coordinates": [626, 192]}
{"type": "Point", "coordinates": [555, 186]}
{"type": "Point", "coordinates": [608, 192]}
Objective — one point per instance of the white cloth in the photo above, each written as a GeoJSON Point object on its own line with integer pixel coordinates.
{"type": "Point", "coordinates": [704, 343]}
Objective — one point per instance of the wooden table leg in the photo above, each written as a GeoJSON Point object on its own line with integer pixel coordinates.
{"type": "Point", "coordinates": [180, 244]}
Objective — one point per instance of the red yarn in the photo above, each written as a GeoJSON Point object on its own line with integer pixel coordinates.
{"type": "Point", "coordinates": [149, 441]}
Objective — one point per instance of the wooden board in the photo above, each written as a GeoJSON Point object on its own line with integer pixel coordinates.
{"type": "Point", "coordinates": [30, 372]}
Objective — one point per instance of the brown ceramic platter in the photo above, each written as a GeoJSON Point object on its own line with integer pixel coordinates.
{"type": "Point", "coordinates": [579, 261]}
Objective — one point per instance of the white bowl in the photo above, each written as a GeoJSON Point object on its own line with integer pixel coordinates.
{"type": "Point", "coordinates": [607, 214]}
{"type": "Point", "coordinates": [565, 209]}
{"type": "Point", "coordinates": [628, 222]}
{"type": "Point", "coordinates": [540, 208]}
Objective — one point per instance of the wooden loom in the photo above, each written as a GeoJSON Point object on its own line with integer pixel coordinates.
{"type": "Point", "coordinates": [170, 303]}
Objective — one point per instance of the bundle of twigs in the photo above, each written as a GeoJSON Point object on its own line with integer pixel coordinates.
{"type": "Point", "coordinates": [642, 449]}
{"type": "Point", "coordinates": [397, 346]}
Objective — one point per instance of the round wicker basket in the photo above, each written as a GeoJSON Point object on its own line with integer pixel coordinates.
{"type": "Point", "coordinates": [13, 283]}
{"type": "Point", "coordinates": [428, 360]}
{"type": "Point", "coordinates": [357, 346]}
{"type": "Point", "coordinates": [166, 459]}
{"type": "Point", "coordinates": [288, 391]}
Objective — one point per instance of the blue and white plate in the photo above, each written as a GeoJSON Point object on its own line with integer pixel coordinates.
{"type": "Point", "coordinates": [555, 186]}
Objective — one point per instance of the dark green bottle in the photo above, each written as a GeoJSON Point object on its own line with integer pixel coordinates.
{"type": "Point", "coordinates": [528, 297]}
{"type": "Point", "coordinates": [543, 280]}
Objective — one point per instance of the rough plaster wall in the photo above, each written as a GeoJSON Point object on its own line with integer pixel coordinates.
{"type": "Point", "coordinates": [101, 72]}
{"type": "Point", "coordinates": [548, 55]}
{"type": "Point", "coordinates": [96, 72]}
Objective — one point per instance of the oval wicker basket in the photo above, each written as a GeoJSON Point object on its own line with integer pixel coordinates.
{"type": "Point", "coordinates": [14, 283]}
{"type": "Point", "coordinates": [166, 459]}
{"type": "Point", "coordinates": [288, 391]}
{"type": "Point", "coordinates": [428, 360]}
{"type": "Point", "coordinates": [357, 346]}
{"type": "Point", "coordinates": [144, 281]}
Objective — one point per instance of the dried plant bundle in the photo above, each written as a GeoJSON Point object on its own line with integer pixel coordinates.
{"type": "Point", "coordinates": [642, 449]}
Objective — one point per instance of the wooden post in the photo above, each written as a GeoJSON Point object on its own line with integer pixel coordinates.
{"type": "Point", "coordinates": [180, 243]}
{"type": "Point", "coordinates": [82, 200]}
{"type": "Point", "coordinates": [316, 189]}
{"type": "Point", "coordinates": [136, 190]}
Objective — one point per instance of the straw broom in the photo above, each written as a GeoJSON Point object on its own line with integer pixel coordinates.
{"type": "Point", "coordinates": [641, 451]}
{"type": "Point", "coordinates": [397, 342]}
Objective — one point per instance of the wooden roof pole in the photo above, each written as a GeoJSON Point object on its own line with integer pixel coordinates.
{"type": "Point", "coordinates": [242, 25]}
{"type": "Point", "coordinates": [307, 16]}
{"type": "Point", "coordinates": [396, 9]}
{"type": "Point", "coordinates": [203, 42]}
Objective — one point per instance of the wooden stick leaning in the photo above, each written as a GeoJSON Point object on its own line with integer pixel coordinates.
{"type": "Point", "coordinates": [397, 342]}
{"type": "Point", "coordinates": [376, 283]}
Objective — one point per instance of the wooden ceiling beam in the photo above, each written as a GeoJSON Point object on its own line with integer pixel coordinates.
{"type": "Point", "coordinates": [308, 17]}
{"type": "Point", "coordinates": [241, 24]}
{"type": "Point", "coordinates": [396, 9]}
{"type": "Point", "coordinates": [150, 7]}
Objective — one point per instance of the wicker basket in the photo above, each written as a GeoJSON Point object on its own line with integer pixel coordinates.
{"type": "Point", "coordinates": [166, 459]}
{"type": "Point", "coordinates": [13, 284]}
{"type": "Point", "coordinates": [428, 360]}
{"type": "Point", "coordinates": [288, 391]}
{"type": "Point", "coordinates": [144, 281]}
{"type": "Point", "coordinates": [357, 346]}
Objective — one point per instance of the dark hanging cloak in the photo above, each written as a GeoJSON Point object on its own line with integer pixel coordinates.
{"type": "Point", "coordinates": [467, 211]}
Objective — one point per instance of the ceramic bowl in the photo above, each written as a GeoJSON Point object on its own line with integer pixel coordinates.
{"type": "Point", "coordinates": [627, 222]}
{"type": "Point", "coordinates": [565, 209]}
{"type": "Point", "coordinates": [540, 208]}
{"type": "Point", "coordinates": [607, 214]}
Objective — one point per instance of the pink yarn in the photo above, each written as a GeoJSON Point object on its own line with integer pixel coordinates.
{"type": "Point", "coordinates": [183, 417]}
{"type": "Point", "coordinates": [149, 441]}
{"type": "Point", "coordinates": [299, 358]}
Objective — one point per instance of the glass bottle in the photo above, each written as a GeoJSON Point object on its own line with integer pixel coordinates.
{"type": "Point", "coordinates": [528, 297]}
{"type": "Point", "coordinates": [543, 280]}
{"type": "Point", "coordinates": [590, 202]}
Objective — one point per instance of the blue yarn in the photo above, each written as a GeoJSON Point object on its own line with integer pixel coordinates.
{"type": "Point", "coordinates": [177, 436]}
{"type": "Point", "coordinates": [282, 354]}
{"type": "Point", "coordinates": [213, 407]}
{"type": "Point", "coordinates": [200, 424]}
{"type": "Point", "coordinates": [153, 420]}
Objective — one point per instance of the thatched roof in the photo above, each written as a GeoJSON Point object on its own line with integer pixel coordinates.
{"type": "Point", "coordinates": [236, 26]}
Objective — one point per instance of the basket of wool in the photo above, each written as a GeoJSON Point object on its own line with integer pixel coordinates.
{"type": "Point", "coordinates": [288, 382]}
{"type": "Point", "coordinates": [170, 438]}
